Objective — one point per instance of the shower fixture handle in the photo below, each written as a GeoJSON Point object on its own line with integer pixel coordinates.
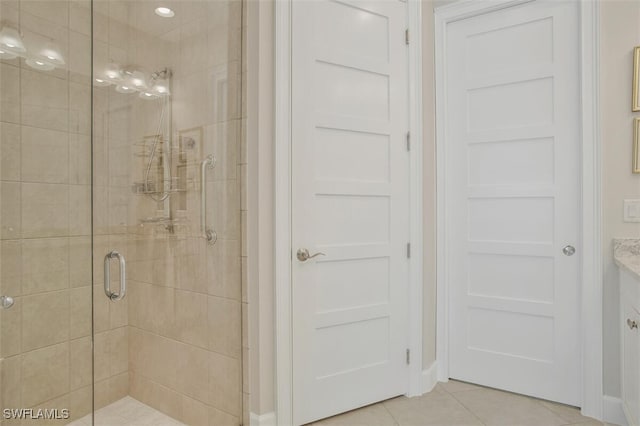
{"type": "Point", "coordinates": [107, 276]}
{"type": "Point", "coordinates": [208, 233]}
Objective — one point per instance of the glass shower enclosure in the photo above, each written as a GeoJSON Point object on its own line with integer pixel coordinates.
{"type": "Point", "coordinates": [120, 212]}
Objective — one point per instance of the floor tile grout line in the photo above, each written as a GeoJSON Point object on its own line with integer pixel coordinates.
{"type": "Point", "coordinates": [460, 402]}
{"type": "Point", "coordinates": [440, 391]}
{"type": "Point", "coordinates": [540, 403]}
{"type": "Point", "coordinates": [467, 408]}
{"type": "Point", "coordinates": [396, 421]}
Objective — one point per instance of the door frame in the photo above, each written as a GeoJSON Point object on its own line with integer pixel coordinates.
{"type": "Point", "coordinates": [591, 269]}
{"type": "Point", "coordinates": [283, 204]}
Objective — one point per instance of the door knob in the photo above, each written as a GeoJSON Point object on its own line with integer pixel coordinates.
{"type": "Point", "coordinates": [569, 250]}
{"type": "Point", "coordinates": [6, 302]}
{"type": "Point", "coordinates": [632, 324]}
{"type": "Point", "coordinates": [303, 255]}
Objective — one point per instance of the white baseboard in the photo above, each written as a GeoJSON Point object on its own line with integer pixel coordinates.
{"type": "Point", "coordinates": [430, 378]}
{"type": "Point", "coordinates": [613, 411]}
{"type": "Point", "coordinates": [268, 419]}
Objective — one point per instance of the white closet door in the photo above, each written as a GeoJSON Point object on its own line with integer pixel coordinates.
{"type": "Point", "coordinates": [350, 202]}
{"type": "Point", "coordinates": [513, 134]}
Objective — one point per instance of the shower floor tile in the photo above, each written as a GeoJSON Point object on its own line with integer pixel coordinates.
{"type": "Point", "coordinates": [127, 412]}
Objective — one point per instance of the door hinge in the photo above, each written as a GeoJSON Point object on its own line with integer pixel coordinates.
{"type": "Point", "coordinates": [408, 356]}
{"type": "Point", "coordinates": [408, 141]}
{"type": "Point", "coordinates": [408, 250]}
{"type": "Point", "coordinates": [406, 36]}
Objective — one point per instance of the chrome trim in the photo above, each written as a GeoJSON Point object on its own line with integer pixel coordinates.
{"type": "Point", "coordinates": [6, 302]}
{"type": "Point", "coordinates": [209, 234]}
{"type": "Point", "coordinates": [107, 276]}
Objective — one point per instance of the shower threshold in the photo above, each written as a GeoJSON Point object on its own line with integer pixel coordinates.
{"type": "Point", "coordinates": [127, 412]}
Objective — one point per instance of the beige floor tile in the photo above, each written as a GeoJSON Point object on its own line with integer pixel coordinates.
{"type": "Point", "coordinates": [453, 386]}
{"type": "Point", "coordinates": [373, 415]}
{"type": "Point", "coordinates": [108, 418]}
{"type": "Point", "coordinates": [497, 408]}
{"type": "Point", "coordinates": [131, 409]}
{"type": "Point", "coordinates": [128, 412]}
{"type": "Point", "coordinates": [81, 422]}
{"type": "Point", "coordinates": [438, 389]}
{"type": "Point", "coordinates": [568, 413]}
{"type": "Point", "coordinates": [434, 408]}
{"type": "Point", "coordinates": [157, 419]}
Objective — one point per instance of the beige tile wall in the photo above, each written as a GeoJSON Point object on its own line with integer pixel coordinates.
{"type": "Point", "coordinates": [243, 176]}
{"type": "Point", "coordinates": [184, 297]}
{"type": "Point", "coordinates": [175, 341]}
{"type": "Point", "coordinates": [45, 219]}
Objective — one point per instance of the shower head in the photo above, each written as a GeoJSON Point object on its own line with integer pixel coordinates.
{"type": "Point", "coordinates": [165, 73]}
{"type": "Point", "coordinates": [161, 83]}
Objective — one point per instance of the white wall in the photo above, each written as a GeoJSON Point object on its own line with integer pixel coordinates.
{"type": "Point", "coordinates": [620, 31]}
{"type": "Point", "coordinates": [429, 185]}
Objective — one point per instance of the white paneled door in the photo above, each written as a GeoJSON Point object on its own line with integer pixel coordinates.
{"type": "Point", "coordinates": [349, 202]}
{"type": "Point", "coordinates": [513, 149]}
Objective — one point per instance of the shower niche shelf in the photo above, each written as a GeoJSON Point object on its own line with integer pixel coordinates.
{"type": "Point", "coordinates": [144, 147]}
{"type": "Point", "coordinates": [177, 227]}
{"type": "Point", "coordinates": [172, 186]}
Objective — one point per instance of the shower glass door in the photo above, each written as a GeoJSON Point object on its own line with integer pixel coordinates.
{"type": "Point", "coordinates": [45, 211]}
{"type": "Point", "coordinates": [120, 156]}
{"type": "Point", "coordinates": [167, 119]}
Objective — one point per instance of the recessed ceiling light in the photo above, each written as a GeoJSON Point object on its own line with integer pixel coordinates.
{"type": "Point", "coordinates": [7, 55]}
{"type": "Point", "coordinates": [11, 39]}
{"type": "Point", "coordinates": [39, 65]}
{"type": "Point", "coordinates": [148, 95]}
{"type": "Point", "coordinates": [165, 12]}
{"type": "Point", "coordinates": [51, 51]}
{"type": "Point", "coordinates": [121, 88]}
{"type": "Point", "coordinates": [101, 82]}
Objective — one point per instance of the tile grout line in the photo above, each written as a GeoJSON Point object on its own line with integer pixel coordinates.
{"type": "Point", "coordinates": [537, 401]}
{"type": "Point", "coordinates": [567, 422]}
{"type": "Point", "coordinates": [395, 421]}
{"type": "Point", "coordinates": [465, 407]}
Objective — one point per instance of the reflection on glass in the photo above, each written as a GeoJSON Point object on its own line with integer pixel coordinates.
{"type": "Point", "coordinates": [102, 153]}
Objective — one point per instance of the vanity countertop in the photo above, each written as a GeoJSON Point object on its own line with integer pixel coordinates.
{"type": "Point", "coordinates": [626, 254]}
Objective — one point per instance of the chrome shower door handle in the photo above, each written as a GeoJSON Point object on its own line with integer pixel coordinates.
{"type": "Point", "coordinates": [209, 234]}
{"type": "Point", "coordinates": [107, 276]}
